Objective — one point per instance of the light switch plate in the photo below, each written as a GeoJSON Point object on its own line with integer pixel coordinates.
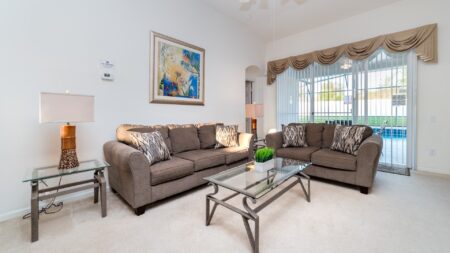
{"type": "Point", "coordinates": [107, 70]}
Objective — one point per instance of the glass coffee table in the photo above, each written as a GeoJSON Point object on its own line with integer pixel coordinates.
{"type": "Point", "coordinates": [252, 184]}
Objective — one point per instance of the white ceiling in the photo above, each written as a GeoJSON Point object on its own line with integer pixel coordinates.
{"type": "Point", "coordinates": [280, 18]}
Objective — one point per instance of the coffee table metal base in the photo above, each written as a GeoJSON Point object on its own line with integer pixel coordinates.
{"type": "Point", "coordinates": [251, 213]}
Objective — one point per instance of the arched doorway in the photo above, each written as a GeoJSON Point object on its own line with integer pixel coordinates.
{"type": "Point", "coordinates": [254, 100]}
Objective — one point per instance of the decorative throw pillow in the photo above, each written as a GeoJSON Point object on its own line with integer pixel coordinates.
{"type": "Point", "coordinates": [152, 145]}
{"type": "Point", "coordinates": [226, 136]}
{"type": "Point", "coordinates": [163, 130]}
{"type": "Point", "coordinates": [294, 136]}
{"type": "Point", "coordinates": [207, 135]}
{"type": "Point", "coordinates": [348, 138]}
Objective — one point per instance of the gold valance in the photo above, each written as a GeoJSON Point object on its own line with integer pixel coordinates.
{"type": "Point", "coordinates": [423, 39]}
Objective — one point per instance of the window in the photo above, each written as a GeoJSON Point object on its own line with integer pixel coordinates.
{"type": "Point", "coordinates": [375, 92]}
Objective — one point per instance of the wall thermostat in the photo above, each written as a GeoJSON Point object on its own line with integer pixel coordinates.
{"type": "Point", "coordinates": [107, 70]}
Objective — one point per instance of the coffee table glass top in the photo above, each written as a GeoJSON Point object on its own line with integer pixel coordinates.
{"type": "Point", "coordinates": [247, 180]}
{"type": "Point", "coordinates": [53, 171]}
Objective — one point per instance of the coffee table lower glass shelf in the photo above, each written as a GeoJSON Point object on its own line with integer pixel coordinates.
{"type": "Point", "coordinates": [253, 184]}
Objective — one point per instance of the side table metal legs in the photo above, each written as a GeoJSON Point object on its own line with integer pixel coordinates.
{"type": "Point", "coordinates": [100, 178]}
{"type": "Point", "coordinates": [34, 211]}
{"type": "Point", "coordinates": [98, 183]}
{"type": "Point", "coordinates": [96, 188]}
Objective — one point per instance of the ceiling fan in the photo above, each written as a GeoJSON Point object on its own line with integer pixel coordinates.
{"type": "Point", "coordinates": [264, 4]}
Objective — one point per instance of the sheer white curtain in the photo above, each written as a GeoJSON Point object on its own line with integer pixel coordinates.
{"type": "Point", "coordinates": [378, 91]}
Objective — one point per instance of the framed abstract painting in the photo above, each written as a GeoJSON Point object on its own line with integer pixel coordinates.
{"type": "Point", "coordinates": [177, 71]}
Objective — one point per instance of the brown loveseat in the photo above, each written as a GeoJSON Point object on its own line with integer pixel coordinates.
{"type": "Point", "coordinates": [357, 170]}
{"type": "Point", "coordinates": [193, 157]}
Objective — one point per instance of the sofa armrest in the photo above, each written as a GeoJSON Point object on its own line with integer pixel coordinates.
{"type": "Point", "coordinates": [247, 140]}
{"type": "Point", "coordinates": [274, 140]}
{"type": "Point", "coordinates": [129, 173]}
{"type": "Point", "coordinates": [367, 160]}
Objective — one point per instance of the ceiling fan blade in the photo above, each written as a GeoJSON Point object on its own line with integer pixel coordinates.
{"type": "Point", "coordinates": [264, 5]}
{"type": "Point", "coordinates": [245, 6]}
{"type": "Point", "coordinates": [300, 2]}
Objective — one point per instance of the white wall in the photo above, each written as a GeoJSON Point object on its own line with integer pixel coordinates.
{"type": "Point", "coordinates": [54, 45]}
{"type": "Point", "coordinates": [433, 83]}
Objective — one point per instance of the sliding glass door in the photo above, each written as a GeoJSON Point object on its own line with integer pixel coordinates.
{"type": "Point", "coordinates": [374, 92]}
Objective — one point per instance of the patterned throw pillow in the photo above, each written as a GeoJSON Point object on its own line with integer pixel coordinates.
{"type": "Point", "coordinates": [226, 136]}
{"type": "Point", "coordinates": [294, 136]}
{"type": "Point", "coordinates": [348, 138]}
{"type": "Point", "coordinates": [152, 145]}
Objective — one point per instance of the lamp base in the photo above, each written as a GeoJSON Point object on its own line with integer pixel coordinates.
{"type": "Point", "coordinates": [254, 128]}
{"type": "Point", "coordinates": [68, 147]}
{"type": "Point", "coordinates": [68, 159]}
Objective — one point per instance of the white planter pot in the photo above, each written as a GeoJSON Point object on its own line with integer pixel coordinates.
{"type": "Point", "coordinates": [265, 166]}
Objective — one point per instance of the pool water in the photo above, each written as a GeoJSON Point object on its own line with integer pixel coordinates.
{"type": "Point", "coordinates": [392, 132]}
{"type": "Point", "coordinates": [394, 145]}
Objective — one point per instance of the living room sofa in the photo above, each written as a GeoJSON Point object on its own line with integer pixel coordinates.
{"type": "Point", "coordinates": [357, 169]}
{"type": "Point", "coordinates": [193, 157]}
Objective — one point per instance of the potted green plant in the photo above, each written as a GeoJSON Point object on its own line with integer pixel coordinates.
{"type": "Point", "coordinates": [264, 159]}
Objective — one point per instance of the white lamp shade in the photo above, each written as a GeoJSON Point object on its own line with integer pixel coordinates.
{"type": "Point", "coordinates": [65, 108]}
{"type": "Point", "coordinates": [254, 110]}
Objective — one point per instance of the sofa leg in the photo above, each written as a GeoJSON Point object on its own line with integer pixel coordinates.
{"type": "Point", "coordinates": [139, 211]}
{"type": "Point", "coordinates": [364, 190]}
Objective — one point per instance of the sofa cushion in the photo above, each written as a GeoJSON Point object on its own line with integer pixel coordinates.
{"type": "Point", "coordinates": [313, 133]}
{"type": "Point", "coordinates": [334, 159]}
{"type": "Point", "coordinates": [207, 135]}
{"type": "Point", "coordinates": [367, 133]}
{"type": "Point", "coordinates": [226, 136]}
{"type": "Point", "coordinates": [234, 154]}
{"type": "Point", "coordinates": [172, 169]}
{"type": "Point", "coordinates": [162, 129]}
{"type": "Point", "coordinates": [172, 126]}
{"type": "Point", "coordinates": [327, 135]}
{"type": "Point", "coordinates": [152, 145]}
{"type": "Point", "coordinates": [294, 136]}
{"type": "Point", "coordinates": [203, 158]}
{"type": "Point", "coordinates": [302, 154]}
{"type": "Point", "coordinates": [348, 138]}
{"type": "Point", "coordinates": [184, 139]}
{"type": "Point", "coordinates": [123, 133]}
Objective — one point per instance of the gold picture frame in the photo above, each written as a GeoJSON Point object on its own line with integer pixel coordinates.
{"type": "Point", "coordinates": [177, 71]}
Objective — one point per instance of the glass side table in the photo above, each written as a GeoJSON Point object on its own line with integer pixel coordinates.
{"type": "Point", "coordinates": [39, 174]}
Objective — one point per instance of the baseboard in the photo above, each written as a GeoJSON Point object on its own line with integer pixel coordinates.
{"type": "Point", "coordinates": [66, 199]}
{"type": "Point", "coordinates": [434, 172]}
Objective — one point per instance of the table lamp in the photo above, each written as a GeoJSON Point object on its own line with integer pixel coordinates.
{"type": "Point", "coordinates": [66, 108]}
{"type": "Point", "coordinates": [254, 111]}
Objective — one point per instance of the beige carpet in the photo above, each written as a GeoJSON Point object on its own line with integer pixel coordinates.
{"type": "Point", "coordinates": [402, 214]}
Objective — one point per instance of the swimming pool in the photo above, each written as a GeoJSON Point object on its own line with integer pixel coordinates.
{"type": "Point", "coordinates": [392, 132]}
{"type": "Point", "coordinates": [394, 145]}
